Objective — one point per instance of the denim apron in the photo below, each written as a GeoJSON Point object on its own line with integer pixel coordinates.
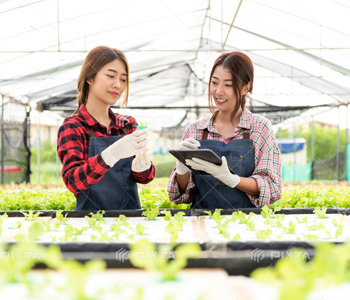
{"type": "Point", "coordinates": [211, 192]}
{"type": "Point", "coordinates": [116, 190]}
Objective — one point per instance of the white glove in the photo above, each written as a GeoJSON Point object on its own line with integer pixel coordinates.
{"type": "Point", "coordinates": [127, 146]}
{"type": "Point", "coordinates": [220, 172]}
{"type": "Point", "coordinates": [186, 144]}
{"type": "Point", "coordinates": [141, 162]}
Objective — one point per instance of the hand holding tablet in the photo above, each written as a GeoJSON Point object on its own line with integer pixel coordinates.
{"type": "Point", "coordinates": [205, 154]}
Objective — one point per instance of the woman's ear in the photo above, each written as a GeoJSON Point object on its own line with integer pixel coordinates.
{"type": "Point", "coordinates": [246, 88]}
{"type": "Point", "coordinates": [90, 81]}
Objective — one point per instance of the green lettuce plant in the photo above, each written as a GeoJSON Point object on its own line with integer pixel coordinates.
{"type": "Point", "coordinates": [241, 216]}
{"type": "Point", "coordinates": [30, 216]}
{"type": "Point", "coordinates": [320, 213]}
{"type": "Point", "coordinates": [140, 229]}
{"type": "Point", "coordinates": [216, 216]}
{"type": "Point", "coordinates": [63, 220]}
{"type": "Point", "coordinates": [264, 234]}
{"type": "Point", "coordinates": [98, 216]}
{"type": "Point", "coordinates": [150, 214]}
{"type": "Point", "coordinates": [291, 228]}
{"type": "Point", "coordinates": [167, 214]}
{"type": "Point", "coordinates": [144, 255]}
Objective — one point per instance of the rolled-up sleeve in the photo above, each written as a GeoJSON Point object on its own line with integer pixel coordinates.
{"type": "Point", "coordinates": [173, 187]}
{"type": "Point", "coordinates": [174, 191]}
{"type": "Point", "coordinates": [268, 171]}
{"type": "Point", "coordinates": [145, 176]}
{"type": "Point", "coordinates": [77, 173]}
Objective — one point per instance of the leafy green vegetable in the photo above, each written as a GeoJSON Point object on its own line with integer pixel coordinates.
{"type": "Point", "coordinates": [303, 197]}
{"type": "Point", "coordinates": [320, 213]}
{"type": "Point", "coordinates": [311, 237]}
{"type": "Point", "coordinates": [237, 237]}
{"type": "Point", "coordinates": [290, 228]}
{"type": "Point", "coordinates": [123, 220]}
{"type": "Point", "coordinates": [264, 234]}
{"type": "Point", "coordinates": [316, 226]}
{"type": "Point", "coordinates": [37, 200]}
{"type": "Point", "coordinates": [216, 216]}
{"type": "Point", "coordinates": [151, 214]}
{"type": "Point", "coordinates": [241, 216]}
{"type": "Point", "coordinates": [158, 198]}
{"type": "Point", "coordinates": [62, 219]}
{"type": "Point", "coordinates": [30, 216]}
{"type": "Point", "coordinates": [143, 255]}
{"type": "Point", "coordinates": [251, 225]}
{"type": "Point", "coordinates": [77, 276]}
{"type": "Point", "coordinates": [140, 229]}
{"type": "Point", "coordinates": [178, 217]}
{"type": "Point", "coordinates": [35, 231]}
{"type": "Point", "coordinates": [303, 220]}
{"type": "Point", "coordinates": [98, 216]}
{"type": "Point", "coordinates": [91, 221]}
{"type": "Point", "coordinates": [167, 216]}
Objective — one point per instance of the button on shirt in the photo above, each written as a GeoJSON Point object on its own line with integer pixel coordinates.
{"type": "Point", "coordinates": [267, 173]}
{"type": "Point", "coordinates": [79, 172]}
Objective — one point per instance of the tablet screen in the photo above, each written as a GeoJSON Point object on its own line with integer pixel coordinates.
{"type": "Point", "coordinates": [205, 154]}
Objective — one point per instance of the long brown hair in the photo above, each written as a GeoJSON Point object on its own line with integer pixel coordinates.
{"type": "Point", "coordinates": [94, 61]}
{"type": "Point", "coordinates": [242, 71]}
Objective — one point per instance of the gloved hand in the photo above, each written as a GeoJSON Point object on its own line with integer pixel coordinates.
{"type": "Point", "coordinates": [127, 146]}
{"type": "Point", "coordinates": [141, 162]}
{"type": "Point", "coordinates": [186, 144]}
{"type": "Point", "coordinates": [220, 172]}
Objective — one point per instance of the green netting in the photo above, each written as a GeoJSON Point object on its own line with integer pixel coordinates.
{"type": "Point", "coordinates": [14, 143]}
{"type": "Point", "coordinates": [297, 172]}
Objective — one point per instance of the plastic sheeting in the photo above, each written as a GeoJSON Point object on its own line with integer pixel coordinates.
{"type": "Point", "coordinates": [301, 55]}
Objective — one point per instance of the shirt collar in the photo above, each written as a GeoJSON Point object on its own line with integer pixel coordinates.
{"type": "Point", "coordinates": [244, 122]}
{"type": "Point", "coordinates": [92, 122]}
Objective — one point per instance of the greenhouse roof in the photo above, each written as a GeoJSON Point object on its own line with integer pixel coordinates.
{"type": "Point", "coordinates": [301, 51]}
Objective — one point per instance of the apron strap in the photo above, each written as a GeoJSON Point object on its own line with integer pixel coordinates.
{"type": "Point", "coordinates": [205, 134]}
{"type": "Point", "coordinates": [246, 135]}
{"type": "Point", "coordinates": [92, 132]}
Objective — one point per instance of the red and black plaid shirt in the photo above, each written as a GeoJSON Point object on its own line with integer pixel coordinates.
{"type": "Point", "coordinates": [79, 172]}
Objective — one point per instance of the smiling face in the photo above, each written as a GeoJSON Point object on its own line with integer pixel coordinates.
{"type": "Point", "coordinates": [221, 89]}
{"type": "Point", "coordinates": [109, 83]}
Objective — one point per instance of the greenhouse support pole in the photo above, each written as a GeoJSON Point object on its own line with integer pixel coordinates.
{"type": "Point", "coordinates": [312, 139]}
{"type": "Point", "coordinates": [222, 25]}
{"type": "Point", "coordinates": [195, 88]}
{"type": "Point", "coordinates": [312, 147]}
{"type": "Point", "coordinates": [2, 139]}
{"type": "Point", "coordinates": [347, 175]}
{"type": "Point", "coordinates": [38, 154]}
{"type": "Point", "coordinates": [338, 144]}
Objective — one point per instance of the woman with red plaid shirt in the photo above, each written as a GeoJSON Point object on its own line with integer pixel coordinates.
{"type": "Point", "coordinates": [245, 141]}
{"type": "Point", "coordinates": [103, 155]}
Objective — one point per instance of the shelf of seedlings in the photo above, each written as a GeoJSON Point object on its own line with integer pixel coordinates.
{"type": "Point", "coordinates": [238, 241]}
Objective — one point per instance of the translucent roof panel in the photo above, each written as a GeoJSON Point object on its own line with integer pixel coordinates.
{"type": "Point", "coordinates": [300, 50]}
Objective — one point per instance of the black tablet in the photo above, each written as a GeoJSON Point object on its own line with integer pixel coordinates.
{"type": "Point", "coordinates": [205, 154]}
